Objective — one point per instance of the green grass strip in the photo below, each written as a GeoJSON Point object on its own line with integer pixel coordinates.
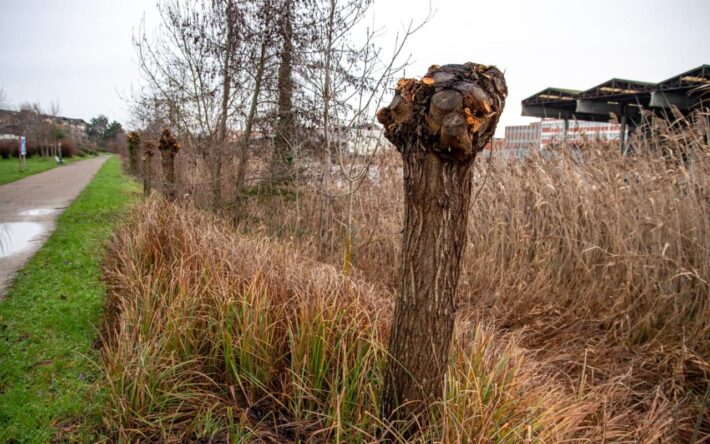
{"type": "Point", "coordinates": [10, 168]}
{"type": "Point", "coordinates": [49, 321]}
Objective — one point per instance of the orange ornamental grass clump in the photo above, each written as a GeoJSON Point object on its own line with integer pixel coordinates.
{"type": "Point", "coordinates": [210, 334]}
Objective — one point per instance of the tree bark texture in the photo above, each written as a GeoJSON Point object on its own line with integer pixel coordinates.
{"type": "Point", "coordinates": [133, 142]}
{"type": "Point", "coordinates": [438, 124]}
{"type": "Point", "coordinates": [282, 158]}
{"type": "Point", "coordinates": [148, 152]}
{"type": "Point", "coordinates": [216, 178]}
{"type": "Point", "coordinates": [168, 147]}
{"type": "Point", "coordinates": [224, 112]}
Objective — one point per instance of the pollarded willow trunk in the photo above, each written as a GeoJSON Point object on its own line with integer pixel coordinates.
{"type": "Point", "coordinates": [438, 124]}
{"type": "Point", "coordinates": [134, 143]}
{"type": "Point", "coordinates": [169, 148]}
{"type": "Point", "coordinates": [148, 152]}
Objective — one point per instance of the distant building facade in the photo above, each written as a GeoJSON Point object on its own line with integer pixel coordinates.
{"type": "Point", "coordinates": [364, 139]}
{"type": "Point", "coordinates": [18, 123]}
{"type": "Point", "coordinates": [549, 131]}
{"type": "Point", "coordinates": [523, 136]}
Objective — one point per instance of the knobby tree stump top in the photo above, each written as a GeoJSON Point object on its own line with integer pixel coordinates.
{"type": "Point", "coordinates": [167, 142]}
{"type": "Point", "coordinates": [452, 111]}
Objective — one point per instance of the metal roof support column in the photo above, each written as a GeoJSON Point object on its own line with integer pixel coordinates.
{"type": "Point", "coordinates": [622, 136]}
{"type": "Point", "coordinates": [565, 128]}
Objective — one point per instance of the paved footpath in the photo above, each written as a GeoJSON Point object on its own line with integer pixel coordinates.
{"type": "Point", "coordinates": [29, 208]}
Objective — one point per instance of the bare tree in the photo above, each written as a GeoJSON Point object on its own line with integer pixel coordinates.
{"type": "Point", "coordinates": [4, 102]}
{"type": "Point", "coordinates": [57, 132]}
{"type": "Point", "coordinates": [328, 68]}
{"type": "Point", "coordinates": [168, 147]}
{"type": "Point", "coordinates": [348, 81]}
{"type": "Point", "coordinates": [262, 33]}
{"type": "Point", "coordinates": [189, 71]}
{"type": "Point", "coordinates": [282, 159]}
{"type": "Point", "coordinates": [438, 124]}
{"type": "Point", "coordinates": [206, 65]}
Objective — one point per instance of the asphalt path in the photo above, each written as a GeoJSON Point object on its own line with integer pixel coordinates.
{"type": "Point", "coordinates": [29, 209]}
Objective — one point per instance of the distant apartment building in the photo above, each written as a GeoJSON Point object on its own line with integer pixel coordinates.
{"type": "Point", "coordinates": [522, 136]}
{"type": "Point", "coordinates": [549, 131]}
{"type": "Point", "coordinates": [17, 123]}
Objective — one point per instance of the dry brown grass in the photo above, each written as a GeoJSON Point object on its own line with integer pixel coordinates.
{"type": "Point", "coordinates": [211, 334]}
{"type": "Point", "coordinates": [585, 307]}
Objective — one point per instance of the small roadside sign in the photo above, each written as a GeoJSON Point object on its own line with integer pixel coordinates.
{"type": "Point", "coordinates": [23, 153]}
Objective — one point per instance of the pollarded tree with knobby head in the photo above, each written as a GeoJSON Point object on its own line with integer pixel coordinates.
{"type": "Point", "coordinates": [134, 143]}
{"type": "Point", "coordinates": [148, 153]}
{"type": "Point", "coordinates": [169, 148]}
{"type": "Point", "coordinates": [438, 124]}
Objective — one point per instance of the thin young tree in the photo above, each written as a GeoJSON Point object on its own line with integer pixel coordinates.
{"type": "Point", "coordinates": [438, 124]}
{"type": "Point", "coordinates": [4, 102]}
{"type": "Point", "coordinates": [261, 32]}
{"type": "Point", "coordinates": [348, 80]}
{"type": "Point", "coordinates": [328, 65]}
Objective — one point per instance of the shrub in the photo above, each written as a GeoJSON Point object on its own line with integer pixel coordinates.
{"type": "Point", "coordinates": [69, 148]}
{"type": "Point", "coordinates": [8, 148]}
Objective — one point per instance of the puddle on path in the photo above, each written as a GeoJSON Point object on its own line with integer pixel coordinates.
{"type": "Point", "coordinates": [16, 236]}
{"type": "Point", "coordinates": [37, 212]}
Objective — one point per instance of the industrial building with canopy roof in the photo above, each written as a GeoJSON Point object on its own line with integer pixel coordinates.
{"type": "Point", "coordinates": [622, 101]}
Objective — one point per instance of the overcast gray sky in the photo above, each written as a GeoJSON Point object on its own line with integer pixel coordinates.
{"type": "Point", "coordinates": [79, 52]}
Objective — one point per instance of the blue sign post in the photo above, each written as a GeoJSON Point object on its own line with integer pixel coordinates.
{"type": "Point", "coordinates": [23, 153]}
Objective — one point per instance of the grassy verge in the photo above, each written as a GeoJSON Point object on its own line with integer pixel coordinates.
{"type": "Point", "coordinates": [10, 168]}
{"type": "Point", "coordinates": [49, 317]}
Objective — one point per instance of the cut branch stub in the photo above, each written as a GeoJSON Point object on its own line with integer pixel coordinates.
{"type": "Point", "coordinates": [453, 110]}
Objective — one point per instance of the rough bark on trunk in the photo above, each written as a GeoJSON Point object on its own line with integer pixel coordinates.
{"type": "Point", "coordinates": [168, 147]}
{"type": "Point", "coordinates": [133, 142]}
{"type": "Point", "coordinates": [438, 124]}
{"type": "Point", "coordinates": [148, 152]}
{"type": "Point", "coordinates": [216, 178]}
{"type": "Point", "coordinates": [282, 158]}
{"type": "Point", "coordinates": [133, 162]}
{"type": "Point", "coordinates": [226, 92]}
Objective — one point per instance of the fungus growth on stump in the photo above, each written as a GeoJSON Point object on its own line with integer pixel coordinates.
{"type": "Point", "coordinates": [438, 124]}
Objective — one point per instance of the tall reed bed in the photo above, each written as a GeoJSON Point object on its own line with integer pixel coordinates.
{"type": "Point", "coordinates": [597, 262]}
{"type": "Point", "coordinates": [584, 306]}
